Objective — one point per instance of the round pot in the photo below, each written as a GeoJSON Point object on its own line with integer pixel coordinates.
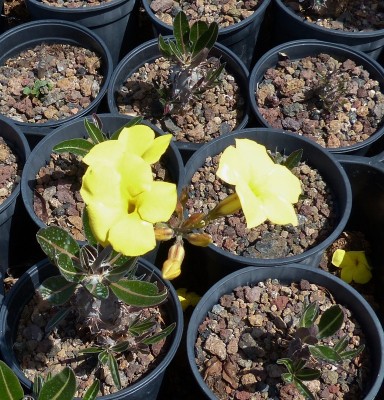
{"type": "Point", "coordinates": [33, 33]}
{"type": "Point", "coordinates": [23, 291]}
{"type": "Point", "coordinates": [298, 49]}
{"type": "Point", "coordinates": [148, 52]}
{"type": "Point", "coordinates": [241, 37]}
{"type": "Point", "coordinates": [17, 141]}
{"type": "Point", "coordinates": [115, 22]}
{"type": "Point", "coordinates": [219, 262]}
{"type": "Point", "coordinates": [343, 293]}
{"type": "Point", "coordinates": [40, 155]}
{"type": "Point", "coordinates": [290, 26]}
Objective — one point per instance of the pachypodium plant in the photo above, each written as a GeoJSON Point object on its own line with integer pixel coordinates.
{"type": "Point", "coordinates": [327, 8]}
{"type": "Point", "coordinates": [38, 89]}
{"type": "Point", "coordinates": [61, 386]}
{"type": "Point", "coordinates": [192, 72]}
{"type": "Point", "coordinates": [306, 350]}
{"type": "Point", "coordinates": [99, 281]}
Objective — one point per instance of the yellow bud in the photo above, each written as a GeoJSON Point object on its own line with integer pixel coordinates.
{"type": "Point", "coordinates": [172, 266]}
{"type": "Point", "coordinates": [228, 206]}
{"type": "Point", "coordinates": [199, 239]}
{"type": "Point", "coordinates": [163, 232]}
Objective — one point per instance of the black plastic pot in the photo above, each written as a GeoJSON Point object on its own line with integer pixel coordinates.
{"type": "Point", "coordinates": [289, 26]}
{"type": "Point", "coordinates": [17, 141]}
{"type": "Point", "coordinates": [115, 22]}
{"type": "Point", "coordinates": [343, 293]}
{"type": "Point", "coordinates": [303, 48]}
{"type": "Point", "coordinates": [218, 262]}
{"type": "Point", "coordinates": [30, 34]}
{"type": "Point", "coordinates": [42, 152]}
{"type": "Point", "coordinates": [148, 52]}
{"type": "Point", "coordinates": [241, 37]}
{"type": "Point", "coordinates": [22, 292]}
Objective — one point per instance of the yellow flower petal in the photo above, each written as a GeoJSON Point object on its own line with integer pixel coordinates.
{"type": "Point", "coordinates": [346, 273]}
{"type": "Point", "coordinates": [157, 149]}
{"type": "Point", "coordinates": [136, 139]}
{"type": "Point", "coordinates": [354, 266]}
{"type": "Point", "coordinates": [132, 236]}
{"type": "Point", "coordinates": [232, 169]}
{"type": "Point", "coordinates": [106, 154]}
{"type": "Point", "coordinates": [148, 202]}
{"type": "Point", "coordinates": [338, 258]}
{"type": "Point", "coordinates": [362, 274]}
{"type": "Point", "coordinates": [279, 210]}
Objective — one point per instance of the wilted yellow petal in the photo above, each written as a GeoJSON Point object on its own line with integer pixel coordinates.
{"type": "Point", "coordinates": [338, 258]}
{"type": "Point", "coordinates": [362, 274]}
{"type": "Point", "coordinates": [354, 266]}
{"type": "Point", "coordinates": [346, 273]}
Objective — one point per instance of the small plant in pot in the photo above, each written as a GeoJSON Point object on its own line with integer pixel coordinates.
{"type": "Point", "coordinates": [106, 304]}
{"type": "Point", "coordinates": [325, 91]}
{"type": "Point", "coordinates": [285, 332]}
{"type": "Point", "coordinates": [187, 84]}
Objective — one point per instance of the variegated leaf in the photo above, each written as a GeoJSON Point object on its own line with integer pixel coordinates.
{"type": "Point", "coordinates": [57, 290]}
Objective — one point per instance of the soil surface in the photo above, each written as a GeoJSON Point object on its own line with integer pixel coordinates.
{"type": "Point", "coordinates": [333, 102]}
{"type": "Point", "coordinates": [243, 336]}
{"type": "Point", "coordinates": [41, 353]}
{"type": "Point", "coordinates": [69, 77]}
{"type": "Point", "coordinates": [217, 111]}
{"type": "Point", "coordinates": [74, 3]}
{"type": "Point", "coordinates": [316, 210]}
{"type": "Point", "coordinates": [225, 13]}
{"type": "Point", "coordinates": [346, 15]}
{"type": "Point", "coordinates": [10, 170]}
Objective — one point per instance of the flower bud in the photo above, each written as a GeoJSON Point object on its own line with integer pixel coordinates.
{"type": "Point", "coordinates": [163, 232]}
{"type": "Point", "coordinates": [227, 206]}
{"type": "Point", "coordinates": [199, 239]}
{"type": "Point", "coordinates": [172, 266]}
{"type": "Point", "coordinates": [194, 221]}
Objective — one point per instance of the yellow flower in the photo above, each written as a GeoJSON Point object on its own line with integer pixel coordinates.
{"type": "Point", "coordinates": [123, 201]}
{"type": "Point", "coordinates": [187, 298]}
{"type": "Point", "coordinates": [354, 266]}
{"type": "Point", "coordinates": [266, 190]}
{"type": "Point", "coordinates": [172, 265]}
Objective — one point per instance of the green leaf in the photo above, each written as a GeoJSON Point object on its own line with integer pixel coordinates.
{"type": "Point", "coordinates": [61, 386]}
{"type": "Point", "coordinates": [78, 146]}
{"type": "Point", "coordinates": [54, 240]}
{"type": "Point", "coordinates": [138, 327]}
{"type": "Point", "coordinates": [330, 322]}
{"type": "Point", "coordinates": [309, 316]}
{"type": "Point", "coordinates": [97, 289]}
{"type": "Point", "coordinates": [342, 344]}
{"type": "Point", "coordinates": [303, 389]}
{"type": "Point", "coordinates": [103, 357]}
{"type": "Point", "coordinates": [307, 374]}
{"type": "Point", "coordinates": [351, 354]}
{"type": "Point", "coordinates": [206, 40]}
{"type": "Point", "coordinates": [124, 265]}
{"type": "Point", "coordinates": [57, 290]}
{"type": "Point", "coordinates": [92, 391]}
{"type": "Point", "coordinates": [197, 29]}
{"type": "Point", "coordinates": [138, 293]}
{"type": "Point", "coordinates": [120, 347]}
{"type": "Point", "coordinates": [181, 32]}
{"type": "Point", "coordinates": [214, 74]}
{"type": "Point", "coordinates": [95, 134]}
{"type": "Point", "coordinates": [38, 383]}
{"type": "Point", "coordinates": [67, 269]}
{"type": "Point", "coordinates": [91, 350]}
{"type": "Point", "coordinates": [159, 336]}
{"type": "Point", "coordinates": [56, 319]}
{"type": "Point", "coordinates": [298, 365]}
{"type": "Point", "coordinates": [288, 363]}
{"type": "Point", "coordinates": [325, 353]}
{"type": "Point", "coordinates": [287, 377]}
{"type": "Point", "coordinates": [87, 229]}
{"type": "Point", "coordinates": [112, 364]}
{"type": "Point", "coordinates": [10, 387]}
{"type": "Point", "coordinates": [293, 159]}
{"type": "Point", "coordinates": [164, 47]}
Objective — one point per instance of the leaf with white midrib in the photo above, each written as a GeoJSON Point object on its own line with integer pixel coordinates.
{"type": "Point", "coordinates": [10, 387]}
{"type": "Point", "coordinates": [60, 387]}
